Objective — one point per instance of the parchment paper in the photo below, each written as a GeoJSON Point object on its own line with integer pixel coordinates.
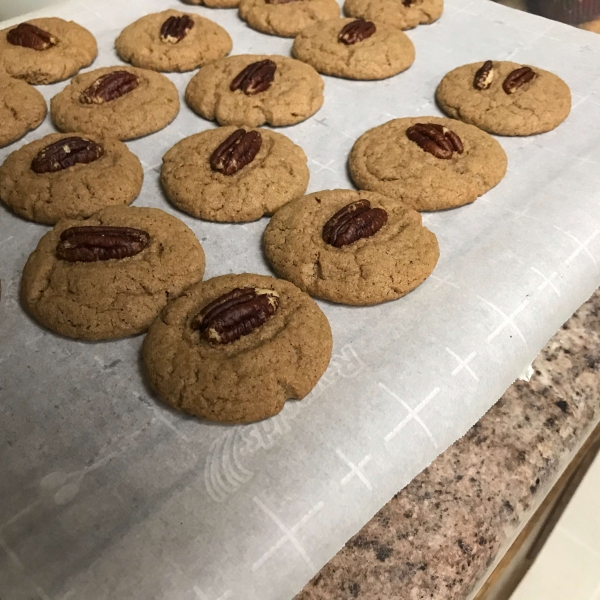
{"type": "Point", "coordinates": [106, 494]}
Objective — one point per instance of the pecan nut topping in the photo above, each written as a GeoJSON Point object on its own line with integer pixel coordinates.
{"type": "Point", "coordinates": [435, 139]}
{"type": "Point", "coordinates": [109, 87]}
{"type": "Point", "coordinates": [65, 153]}
{"type": "Point", "coordinates": [92, 243]}
{"type": "Point", "coordinates": [235, 314]}
{"type": "Point", "coordinates": [237, 151]}
{"type": "Point", "coordinates": [30, 36]}
{"type": "Point", "coordinates": [356, 31]}
{"type": "Point", "coordinates": [355, 221]}
{"type": "Point", "coordinates": [484, 76]}
{"type": "Point", "coordinates": [174, 29]}
{"type": "Point", "coordinates": [408, 2]}
{"type": "Point", "coordinates": [517, 79]}
{"type": "Point", "coordinates": [255, 78]}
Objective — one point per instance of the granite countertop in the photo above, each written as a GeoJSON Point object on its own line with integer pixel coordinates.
{"type": "Point", "coordinates": [436, 538]}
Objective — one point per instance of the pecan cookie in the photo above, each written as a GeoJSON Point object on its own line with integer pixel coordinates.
{"type": "Point", "coordinates": [254, 89]}
{"type": "Point", "coordinates": [505, 98]}
{"type": "Point", "coordinates": [286, 18]}
{"type": "Point", "coordinates": [350, 247]}
{"type": "Point", "coordinates": [234, 348]}
{"type": "Point", "coordinates": [402, 14]}
{"type": "Point", "coordinates": [120, 102]}
{"type": "Point", "coordinates": [46, 50]}
{"type": "Point", "coordinates": [429, 163]}
{"type": "Point", "coordinates": [172, 41]}
{"type": "Point", "coordinates": [229, 174]}
{"type": "Point", "coordinates": [110, 276]}
{"type": "Point", "coordinates": [69, 176]}
{"type": "Point", "coordinates": [214, 3]}
{"type": "Point", "coordinates": [355, 49]}
{"type": "Point", "coordinates": [22, 108]}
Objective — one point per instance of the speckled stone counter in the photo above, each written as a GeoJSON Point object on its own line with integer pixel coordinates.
{"type": "Point", "coordinates": [436, 538]}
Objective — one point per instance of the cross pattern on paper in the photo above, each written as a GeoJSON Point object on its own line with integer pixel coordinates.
{"type": "Point", "coordinates": [325, 167]}
{"type": "Point", "coordinates": [412, 414]}
{"type": "Point", "coordinates": [519, 214]}
{"type": "Point", "coordinates": [444, 281]}
{"type": "Point", "coordinates": [225, 596]}
{"type": "Point", "coordinates": [355, 470]}
{"type": "Point", "coordinates": [507, 320]}
{"type": "Point", "coordinates": [463, 364]}
{"type": "Point", "coordinates": [289, 535]}
{"type": "Point", "coordinates": [581, 246]}
{"type": "Point", "coordinates": [547, 281]}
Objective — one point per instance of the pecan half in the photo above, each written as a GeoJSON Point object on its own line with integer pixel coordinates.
{"type": "Point", "coordinates": [237, 151]}
{"type": "Point", "coordinates": [517, 79]}
{"type": "Point", "coordinates": [30, 36]}
{"type": "Point", "coordinates": [91, 243]}
{"type": "Point", "coordinates": [109, 87]}
{"type": "Point", "coordinates": [484, 76]}
{"type": "Point", "coordinates": [255, 78]}
{"type": "Point", "coordinates": [235, 314]}
{"type": "Point", "coordinates": [352, 223]}
{"type": "Point", "coordinates": [435, 139]}
{"type": "Point", "coordinates": [65, 153]}
{"type": "Point", "coordinates": [174, 29]}
{"type": "Point", "coordinates": [356, 31]}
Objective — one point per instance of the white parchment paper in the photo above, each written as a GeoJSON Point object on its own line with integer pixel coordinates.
{"type": "Point", "coordinates": [105, 493]}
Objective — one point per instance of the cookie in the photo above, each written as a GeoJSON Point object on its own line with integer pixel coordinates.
{"type": "Point", "coordinates": [46, 50]}
{"type": "Point", "coordinates": [229, 174]}
{"type": "Point", "coordinates": [591, 26]}
{"type": "Point", "coordinates": [240, 362]}
{"type": "Point", "coordinates": [120, 102]}
{"type": "Point", "coordinates": [509, 99]}
{"type": "Point", "coordinates": [214, 3]}
{"type": "Point", "coordinates": [138, 259]}
{"type": "Point", "coordinates": [402, 14]}
{"type": "Point", "coordinates": [463, 164]}
{"type": "Point", "coordinates": [355, 49]}
{"type": "Point", "coordinates": [254, 89]}
{"type": "Point", "coordinates": [285, 18]}
{"type": "Point", "coordinates": [357, 248]}
{"type": "Point", "coordinates": [172, 41]}
{"type": "Point", "coordinates": [66, 176]}
{"type": "Point", "coordinates": [22, 108]}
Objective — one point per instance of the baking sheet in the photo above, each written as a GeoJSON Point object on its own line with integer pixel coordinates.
{"type": "Point", "coordinates": [105, 493]}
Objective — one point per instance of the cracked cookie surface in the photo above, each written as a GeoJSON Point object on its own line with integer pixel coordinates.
{"type": "Point", "coordinates": [141, 45]}
{"type": "Point", "coordinates": [384, 160]}
{"type": "Point", "coordinates": [75, 49]}
{"type": "Point", "coordinates": [387, 52]}
{"type": "Point", "coordinates": [151, 106]}
{"type": "Point", "coordinates": [295, 94]}
{"type": "Point", "coordinates": [395, 12]}
{"type": "Point", "coordinates": [385, 266]}
{"type": "Point", "coordinates": [287, 19]}
{"type": "Point", "coordinates": [538, 106]}
{"type": "Point", "coordinates": [22, 109]}
{"type": "Point", "coordinates": [245, 380]}
{"type": "Point", "coordinates": [276, 175]}
{"type": "Point", "coordinates": [73, 193]}
{"type": "Point", "coordinates": [113, 298]}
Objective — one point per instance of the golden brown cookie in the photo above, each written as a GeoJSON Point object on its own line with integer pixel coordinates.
{"type": "Point", "coordinates": [254, 89]}
{"type": "Point", "coordinates": [172, 41]}
{"type": "Point", "coordinates": [509, 98]}
{"type": "Point", "coordinates": [286, 18]}
{"type": "Point", "coordinates": [137, 259]}
{"type": "Point", "coordinates": [46, 50]}
{"type": "Point", "coordinates": [350, 247]}
{"type": "Point", "coordinates": [22, 108]}
{"type": "Point", "coordinates": [401, 159]}
{"type": "Point", "coordinates": [69, 176]}
{"type": "Point", "coordinates": [214, 3]}
{"type": "Point", "coordinates": [402, 14]}
{"type": "Point", "coordinates": [199, 363]}
{"type": "Point", "coordinates": [354, 48]}
{"type": "Point", "coordinates": [121, 102]}
{"type": "Point", "coordinates": [229, 174]}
